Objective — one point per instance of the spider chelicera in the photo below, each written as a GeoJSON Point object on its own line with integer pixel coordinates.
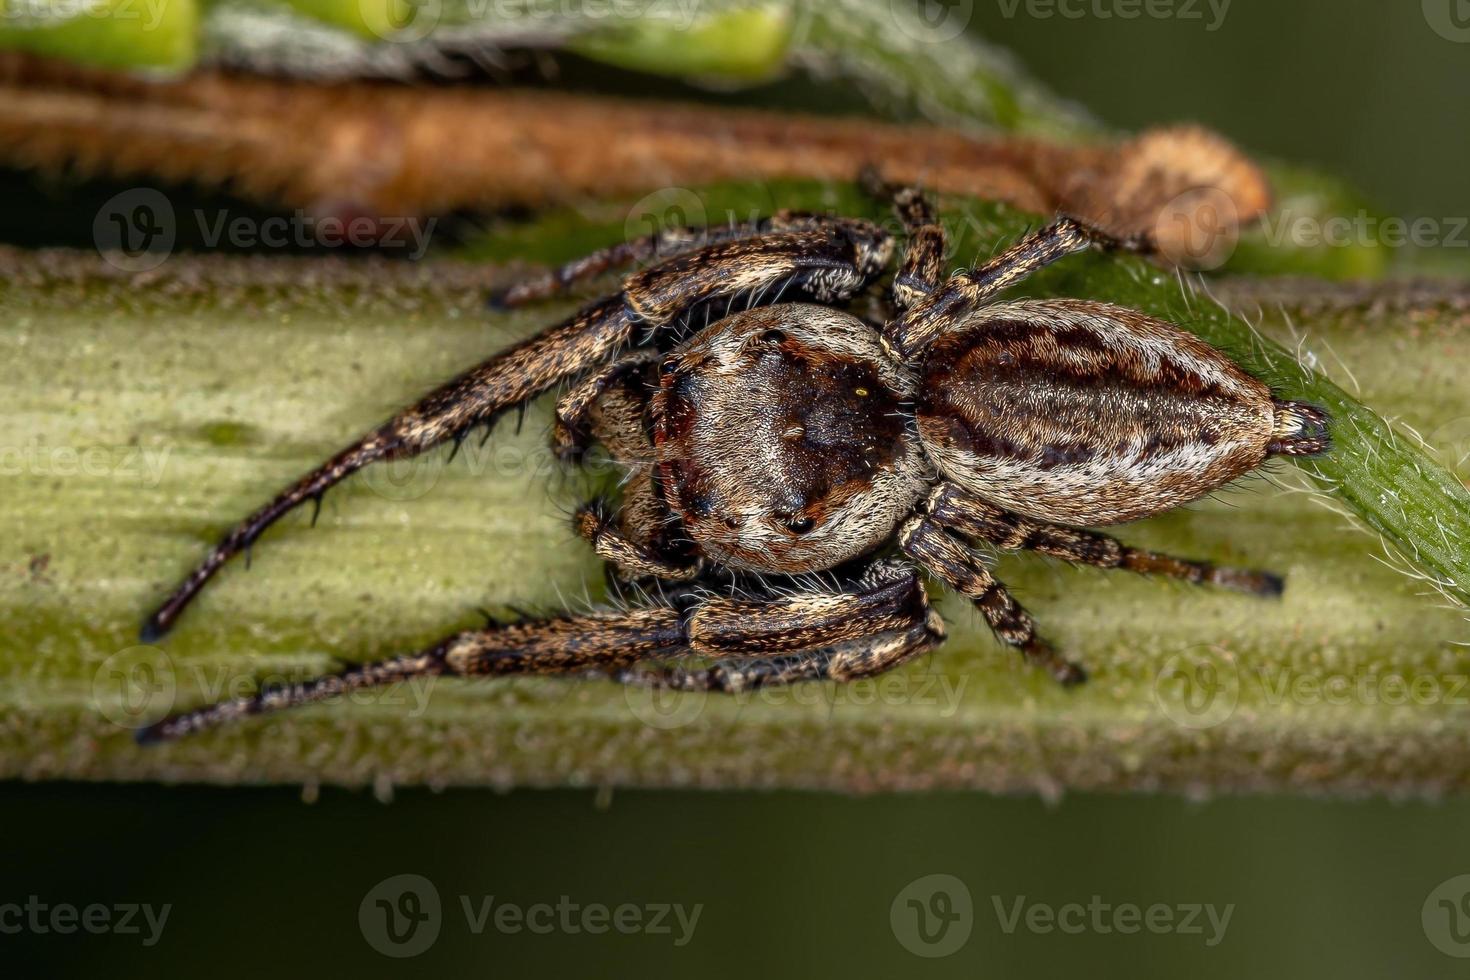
{"type": "Point", "coordinates": [790, 437]}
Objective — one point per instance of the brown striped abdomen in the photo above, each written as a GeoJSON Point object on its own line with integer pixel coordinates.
{"type": "Point", "coordinates": [1085, 413]}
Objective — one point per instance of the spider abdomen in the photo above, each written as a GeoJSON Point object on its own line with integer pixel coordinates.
{"type": "Point", "coordinates": [1087, 414]}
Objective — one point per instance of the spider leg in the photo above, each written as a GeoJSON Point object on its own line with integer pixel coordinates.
{"type": "Point", "coordinates": [609, 408]}
{"type": "Point", "coordinates": [631, 559]}
{"type": "Point", "coordinates": [943, 555]}
{"type": "Point", "coordinates": [828, 263]}
{"type": "Point", "coordinates": [597, 403]}
{"type": "Point", "coordinates": [922, 267]}
{"type": "Point", "coordinates": [847, 661]}
{"type": "Point", "coordinates": [663, 244]}
{"type": "Point", "coordinates": [949, 306]}
{"type": "Point", "coordinates": [888, 599]}
{"type": "Point", "coordinates": [959, 510]}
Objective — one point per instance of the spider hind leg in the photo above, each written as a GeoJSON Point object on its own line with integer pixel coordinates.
{"type": "Point", "coordinates": [964, 512]}
{"type": "Point", "coordinates": [879, 619]}
{"type": "Point", "coordinates": [942, 554]}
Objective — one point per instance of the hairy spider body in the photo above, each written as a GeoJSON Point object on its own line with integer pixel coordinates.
{"type": "Point", "coordinates": [1088, 414]}
{"type": "Point", "coordinates": [788, 437]}
{"type": "Point", "coordinates": [784, 439]}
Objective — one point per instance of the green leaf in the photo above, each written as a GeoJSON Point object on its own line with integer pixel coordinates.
{"type": "Point", "coordinates": [149, 409]}
{"type": "Point", "coordinates": [740, 45]}
{"type": "Point", "coordinates": [156, 35]}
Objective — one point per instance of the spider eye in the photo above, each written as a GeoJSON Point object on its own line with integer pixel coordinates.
{"type": "Point", "coordinates": [800, 525]}
{"type": "Point", "coordinates": [669, 365]}
{"type": "Point", "coordinates": [773, 337]}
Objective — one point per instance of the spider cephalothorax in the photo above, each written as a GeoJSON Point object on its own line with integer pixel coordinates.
{"type": "Point", "coordinates": [786, 438]}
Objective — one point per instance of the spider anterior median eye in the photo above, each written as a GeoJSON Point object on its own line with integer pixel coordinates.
{"type": "Point", "coordinates": [800, 525]}
{"type": "Point", "coordinates": [773, 337]}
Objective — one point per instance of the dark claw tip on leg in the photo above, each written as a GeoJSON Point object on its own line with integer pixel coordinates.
{"type": "Point", "coordinates": [148, 735]}
{"type": "Point", "coordinates": [152, 631]}
{"type": "Point", "coordinates": [499, 301]}
{"type": "Point", "coordinates": [1272, 586]}
{"type": "Point", "coordinates": [1071, 675]}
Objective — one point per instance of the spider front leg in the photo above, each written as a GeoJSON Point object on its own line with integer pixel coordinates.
{"type": "Point", "coordinates": [602, 407]}
{"type": "Point", "coordinates": [962, 511]}
{"type": "Point", "coordinates": [884, 618]}
{"type": "Point", "coordinates": [937, 551]}
{"type": "Point", "coordinates": [663, 244]}
{"type": "Point", "coordinates": [948, 306]}
{"type": "Point", "coordinates": [630, 559]}
{"type": "Point", "coordinates": [922, 267]}
{"type": "Point", "coordinates": [826, 263]}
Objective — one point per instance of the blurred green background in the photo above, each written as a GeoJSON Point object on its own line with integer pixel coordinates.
{"type": "Point", "coordinates": [805, 884]}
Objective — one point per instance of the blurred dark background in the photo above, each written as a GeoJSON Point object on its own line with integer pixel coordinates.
{"type": "Point", "coordinates": [1368, 90]}
{"type": "Point", "coordinates": [259, 880]}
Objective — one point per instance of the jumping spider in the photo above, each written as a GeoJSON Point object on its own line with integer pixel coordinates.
{"type": "Point", "coordinates": [789, 437]}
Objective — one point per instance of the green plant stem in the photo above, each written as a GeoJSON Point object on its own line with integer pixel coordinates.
{"type": "Point", "coordinates": [149, 412]}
